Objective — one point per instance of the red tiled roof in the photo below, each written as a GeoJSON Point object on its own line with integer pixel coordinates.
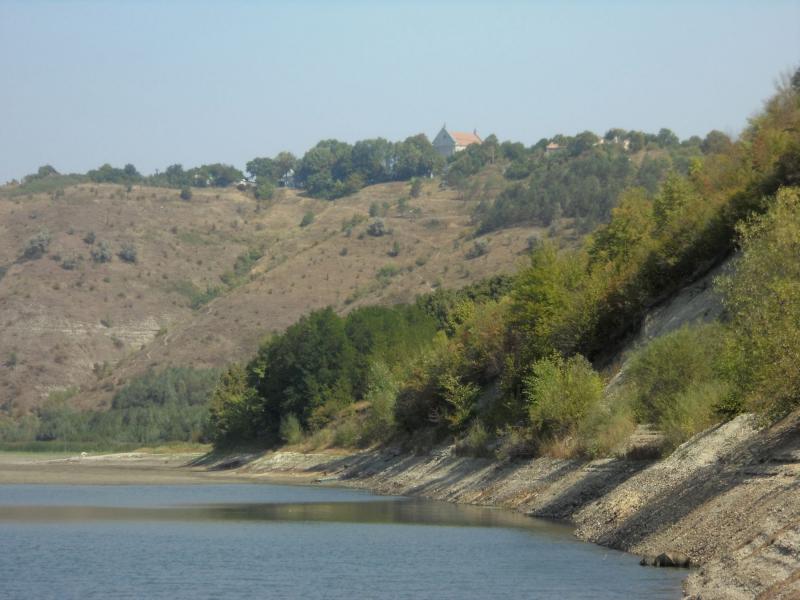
{"type": "Point", "coordinates": [464, 139]}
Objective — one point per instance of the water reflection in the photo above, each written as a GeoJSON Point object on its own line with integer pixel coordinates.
{"type": "Point", "coordinates": [402, 511]}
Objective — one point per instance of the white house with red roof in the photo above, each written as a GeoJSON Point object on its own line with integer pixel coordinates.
{"type": "Point", "coordinates": [448, 143]}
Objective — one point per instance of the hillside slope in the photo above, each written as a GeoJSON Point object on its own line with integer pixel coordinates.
{"type": "Point", "coordinates": [67, 321]}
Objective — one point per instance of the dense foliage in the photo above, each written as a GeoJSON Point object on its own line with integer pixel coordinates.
{"type": "Point", "coordinates": [170, 405]}
{"type": "Point", "coordinates": [510, 364]}
{"type": "Point", "coordinates": [316, 368]}
{"type": "Point", "coordinates": [578, 177]}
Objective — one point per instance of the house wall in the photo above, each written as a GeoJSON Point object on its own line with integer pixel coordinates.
{"type": "Point", "coordinates": [444, 144]}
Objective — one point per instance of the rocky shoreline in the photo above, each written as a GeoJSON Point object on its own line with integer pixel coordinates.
{"type": "Point", "coordinates": [728, 500]}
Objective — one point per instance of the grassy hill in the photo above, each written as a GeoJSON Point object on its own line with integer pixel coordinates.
{"type": "Point", "coordinates": [212, 275]}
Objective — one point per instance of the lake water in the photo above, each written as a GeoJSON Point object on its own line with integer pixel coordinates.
{"type": "Point", "coordinates": [273, 541]}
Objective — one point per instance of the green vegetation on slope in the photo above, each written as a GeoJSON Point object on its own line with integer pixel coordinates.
{"type": "Point", "coordinates": [513, 367]}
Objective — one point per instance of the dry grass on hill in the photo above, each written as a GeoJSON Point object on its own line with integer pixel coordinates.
{"type": "Point", "coordinates": [94, 326]}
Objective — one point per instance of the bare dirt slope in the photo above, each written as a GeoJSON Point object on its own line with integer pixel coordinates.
{"type": "Point", "coordinates": [59, 326]}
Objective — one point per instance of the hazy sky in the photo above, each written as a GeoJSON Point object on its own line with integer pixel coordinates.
{"type": "Point", "coordinates": [156, 83]}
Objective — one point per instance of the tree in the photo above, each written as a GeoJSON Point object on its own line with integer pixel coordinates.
{"type": "Point", "coordinates": [234, 411]}
{"type": "Point", "coordinates": [265, 189]}
{"type": "Point", "coordinates": [373, 159]}
{"type": "Point", "coordinates": [130, 172]}
{"type": "Point", "coordinates": [416, 157]}
{"type": "Point", "coordinates": [636, 141]}
{"type": "Point", "coordinates": [716, 142]}
{"type": "Point", "coordinates": [666, 138]}
{"type": "Point", "coordinates": [615, 135]}
{"type": "Point", "coordinates": [582, 142]}
{"type": "Point", "coordinates": [304, 369]}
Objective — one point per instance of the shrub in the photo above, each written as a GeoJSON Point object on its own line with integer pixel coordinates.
{"type": "Point", "coordinates": [290, 431]}
{"type": "Point", "coordinates": [475, 443]}
{"type": "Point", "coordinates": [560, 394]}
{"type": "Point", "coordinates": [376, 228]}
{"type": "Point", "coordinates": [515, 442]}
{"type": "Point", "coordinates": [101, 253]}
{"type": "Point", "coordinates": [387, 272]}
{"type": "Point", "coordinates": [186, 193]}
{"type": "Point", "coordinates": [416, 187]}
{"type": "Point", "coordinates": [265, 190]}
{"type": "Point", "coordinates": [70, 263]}
{"type": "Point", "coordinates": [128, 253]}
{"type": "Point", "coordinates": [667, 366]}
{"type": "Point", "coordinates": [308, 219]}
{"type": "Point", "coordinates": [347, 433]}
{"type": "Point", "coordinates": [89, 238]}
{"type": "Point", "coordinates": [37, 246]}
{"type": "Point", "coordinates": [479, 248]}
{"type": "Point", "coordinates": [692, 411]}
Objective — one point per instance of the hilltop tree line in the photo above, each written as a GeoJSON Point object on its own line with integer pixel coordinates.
{"type": "Point", "coordinates": [580, 179]}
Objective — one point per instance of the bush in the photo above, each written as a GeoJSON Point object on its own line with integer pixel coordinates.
{"type": "Point", "coordinates": [479, 248]}
{"type": "Point", "coordinates": [70, 263]}
{"type": "Point", "coordinates": [186, 193]}
{"type": "Point", "coordinates": [692, 411]}
{"type": "Point", "coordinates": [265, 190]}
{"type": "Point", "coordinates": [416, 187]}
{"type": "Point", "coordinates": [515, 442]}
{"type": "Point", "coordinates": [475, 443]}
{"type": "Point", "coordinates": [376, 228]}
{"type": "Point", "coordinates": [560, 394]}
{"type": "Point", "coordinates": [128, 253]}
{"type": "Point", "coordinates": [89, 238]}
{"type": "Point", "coordinates": [291, 432]}
{"type": "Point", "coordinates": [667, 366]}
{"type": "Point", "coordinates": [347, 433]}
{"type": "Point", "coordinates": [101, 253]}
{"type": "Point", "coordinates": [308, 219]}
{"type": "Point", "coordinates": [37, 246]}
